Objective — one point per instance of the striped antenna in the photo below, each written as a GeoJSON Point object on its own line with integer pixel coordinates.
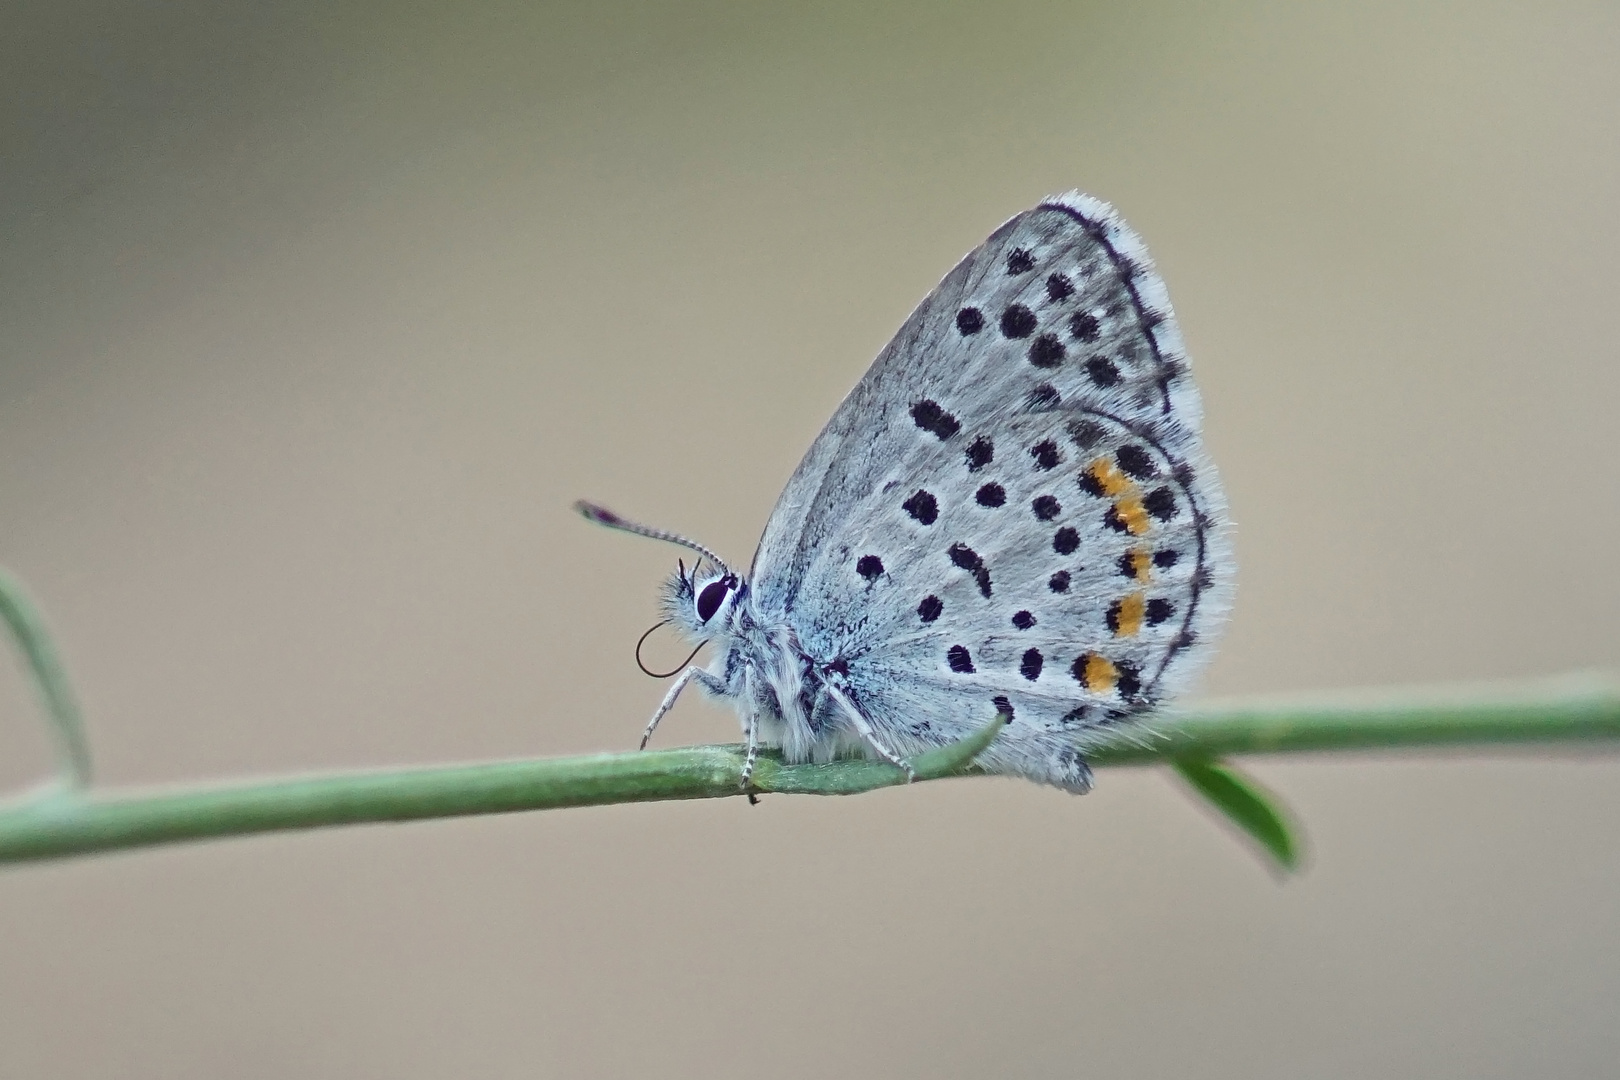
{"type": "Point", "coordinates": [603, 516]}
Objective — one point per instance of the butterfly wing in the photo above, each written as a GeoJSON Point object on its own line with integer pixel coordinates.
{"type": "Point", "coordinates": [1012, 509]}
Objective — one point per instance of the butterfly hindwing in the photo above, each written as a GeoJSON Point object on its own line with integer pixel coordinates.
{"type": "Point", "coordinates": [1025, 458]}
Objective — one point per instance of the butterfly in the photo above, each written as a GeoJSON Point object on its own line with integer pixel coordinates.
{"type": "Point", "coordinates": [1011, 514]}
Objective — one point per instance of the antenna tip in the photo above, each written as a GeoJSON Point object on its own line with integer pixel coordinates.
{"type": "Point", "coordinates": [599, 514]}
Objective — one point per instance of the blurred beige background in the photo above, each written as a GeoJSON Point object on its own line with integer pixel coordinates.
{"type": "Point", "coordinates": [314, 319]}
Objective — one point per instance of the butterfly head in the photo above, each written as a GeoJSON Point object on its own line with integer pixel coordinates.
{"type": "Point", "coordinates": [701, 601]}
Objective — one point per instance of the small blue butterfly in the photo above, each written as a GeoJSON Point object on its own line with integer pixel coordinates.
{"type": "Point", "coordinates": [1011, 513]}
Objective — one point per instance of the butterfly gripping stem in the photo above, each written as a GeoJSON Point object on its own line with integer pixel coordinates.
{"type": "Point", "coordinates": [861, 725]}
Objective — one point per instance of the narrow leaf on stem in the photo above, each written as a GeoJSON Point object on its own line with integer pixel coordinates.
{"type": "Point", "coordinates": [1245, 804]}
{"type": "Point", "coordinates": [50, 680]}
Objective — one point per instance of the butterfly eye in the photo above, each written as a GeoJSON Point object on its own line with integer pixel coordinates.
{"type": "Point", "coordinates": [712, 596]}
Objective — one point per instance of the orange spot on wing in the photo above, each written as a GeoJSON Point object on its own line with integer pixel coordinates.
{"type": "Point", "coordinates": [1096, 673]}
{"type": "Point", "coordinates": [1125, 616]}
{"type": "Point", "coordinates": [1132, 514]}
{"type": "Point", "coordinates": [1141, 564]}
{"type": "Point", "coordinates": [1108, 477]}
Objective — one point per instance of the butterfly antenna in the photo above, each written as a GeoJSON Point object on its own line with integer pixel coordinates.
{"type": "Point", "coordinates": [603, 516]}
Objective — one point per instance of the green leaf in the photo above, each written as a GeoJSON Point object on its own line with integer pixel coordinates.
{"type": "Point", "coordinates": [1245, 804]}
{"type": "Point", "coordinates": [952, 759]}
{"type": "Point", "coordinates": [27, 627]}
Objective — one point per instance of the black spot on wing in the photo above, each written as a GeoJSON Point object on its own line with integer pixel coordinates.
{"type": "Point", "coordinates": [1046, 351]}
{"type": "Point", "coordinates": [1112, 618]}
{"type": "Point", "coordinates": [929, 609]}
{"type": "Point", "coordinates": [1102, 371]}
{"type": "Point", "coordinates": [1085, 434]}
{"type": "Point", "coordinates": [869, 567]}
{"type": "Point", "coordinates": [991, 495]}
{"type": "Point", "coordinates": [969, 560]}
{"type": "Point", "coordinates": [969, 321]}
{"type": "Point", "coordinates": [1043, 398]}
{"type": "Point", "coordinates": [1059, 288]}
{"type": "Point", "coordinates": [1084, 326]}
{"type": "Point", "coordinates": [959, 659]}
{"type": "Point", "coordinates": [1020, 261]}
{"type": "Point", "coordinates": [1030, 666]}
{"type": "Point", "coordinates": [928, 416]}
{"type": "Point", "coordinates": [1018, 321]}
{"type": "Point", "coordinates": [1136, 462]}
{"type": "Point", "coordinates": [1161, 503]}
{"type": "Point", "coordinates": [923, 507]}
{"type": "Point", "coordinates": [1080, 668]}
{"type": "Point", "coordinates": [980, 453]}
{"type": "Point", "coordinates": [1130, 681]}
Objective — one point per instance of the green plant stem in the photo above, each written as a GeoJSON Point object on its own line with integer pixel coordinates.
{"type": "Point", "coordinates": [1553, 712]}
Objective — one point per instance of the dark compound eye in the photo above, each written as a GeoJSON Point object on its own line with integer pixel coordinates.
{"type": "Point", "coordinates": [712, 596]}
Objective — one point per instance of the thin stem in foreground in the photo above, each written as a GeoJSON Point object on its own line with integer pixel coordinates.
{"type": "Point", "coordinates": [1552, 712]}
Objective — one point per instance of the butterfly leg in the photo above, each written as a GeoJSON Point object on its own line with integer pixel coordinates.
{"type": "Point", "coordinates": [858, 719]}
{"type": "Point", "coordinates": [750, 730]}
{"type": "Point", "coordinates": [706, 680]}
